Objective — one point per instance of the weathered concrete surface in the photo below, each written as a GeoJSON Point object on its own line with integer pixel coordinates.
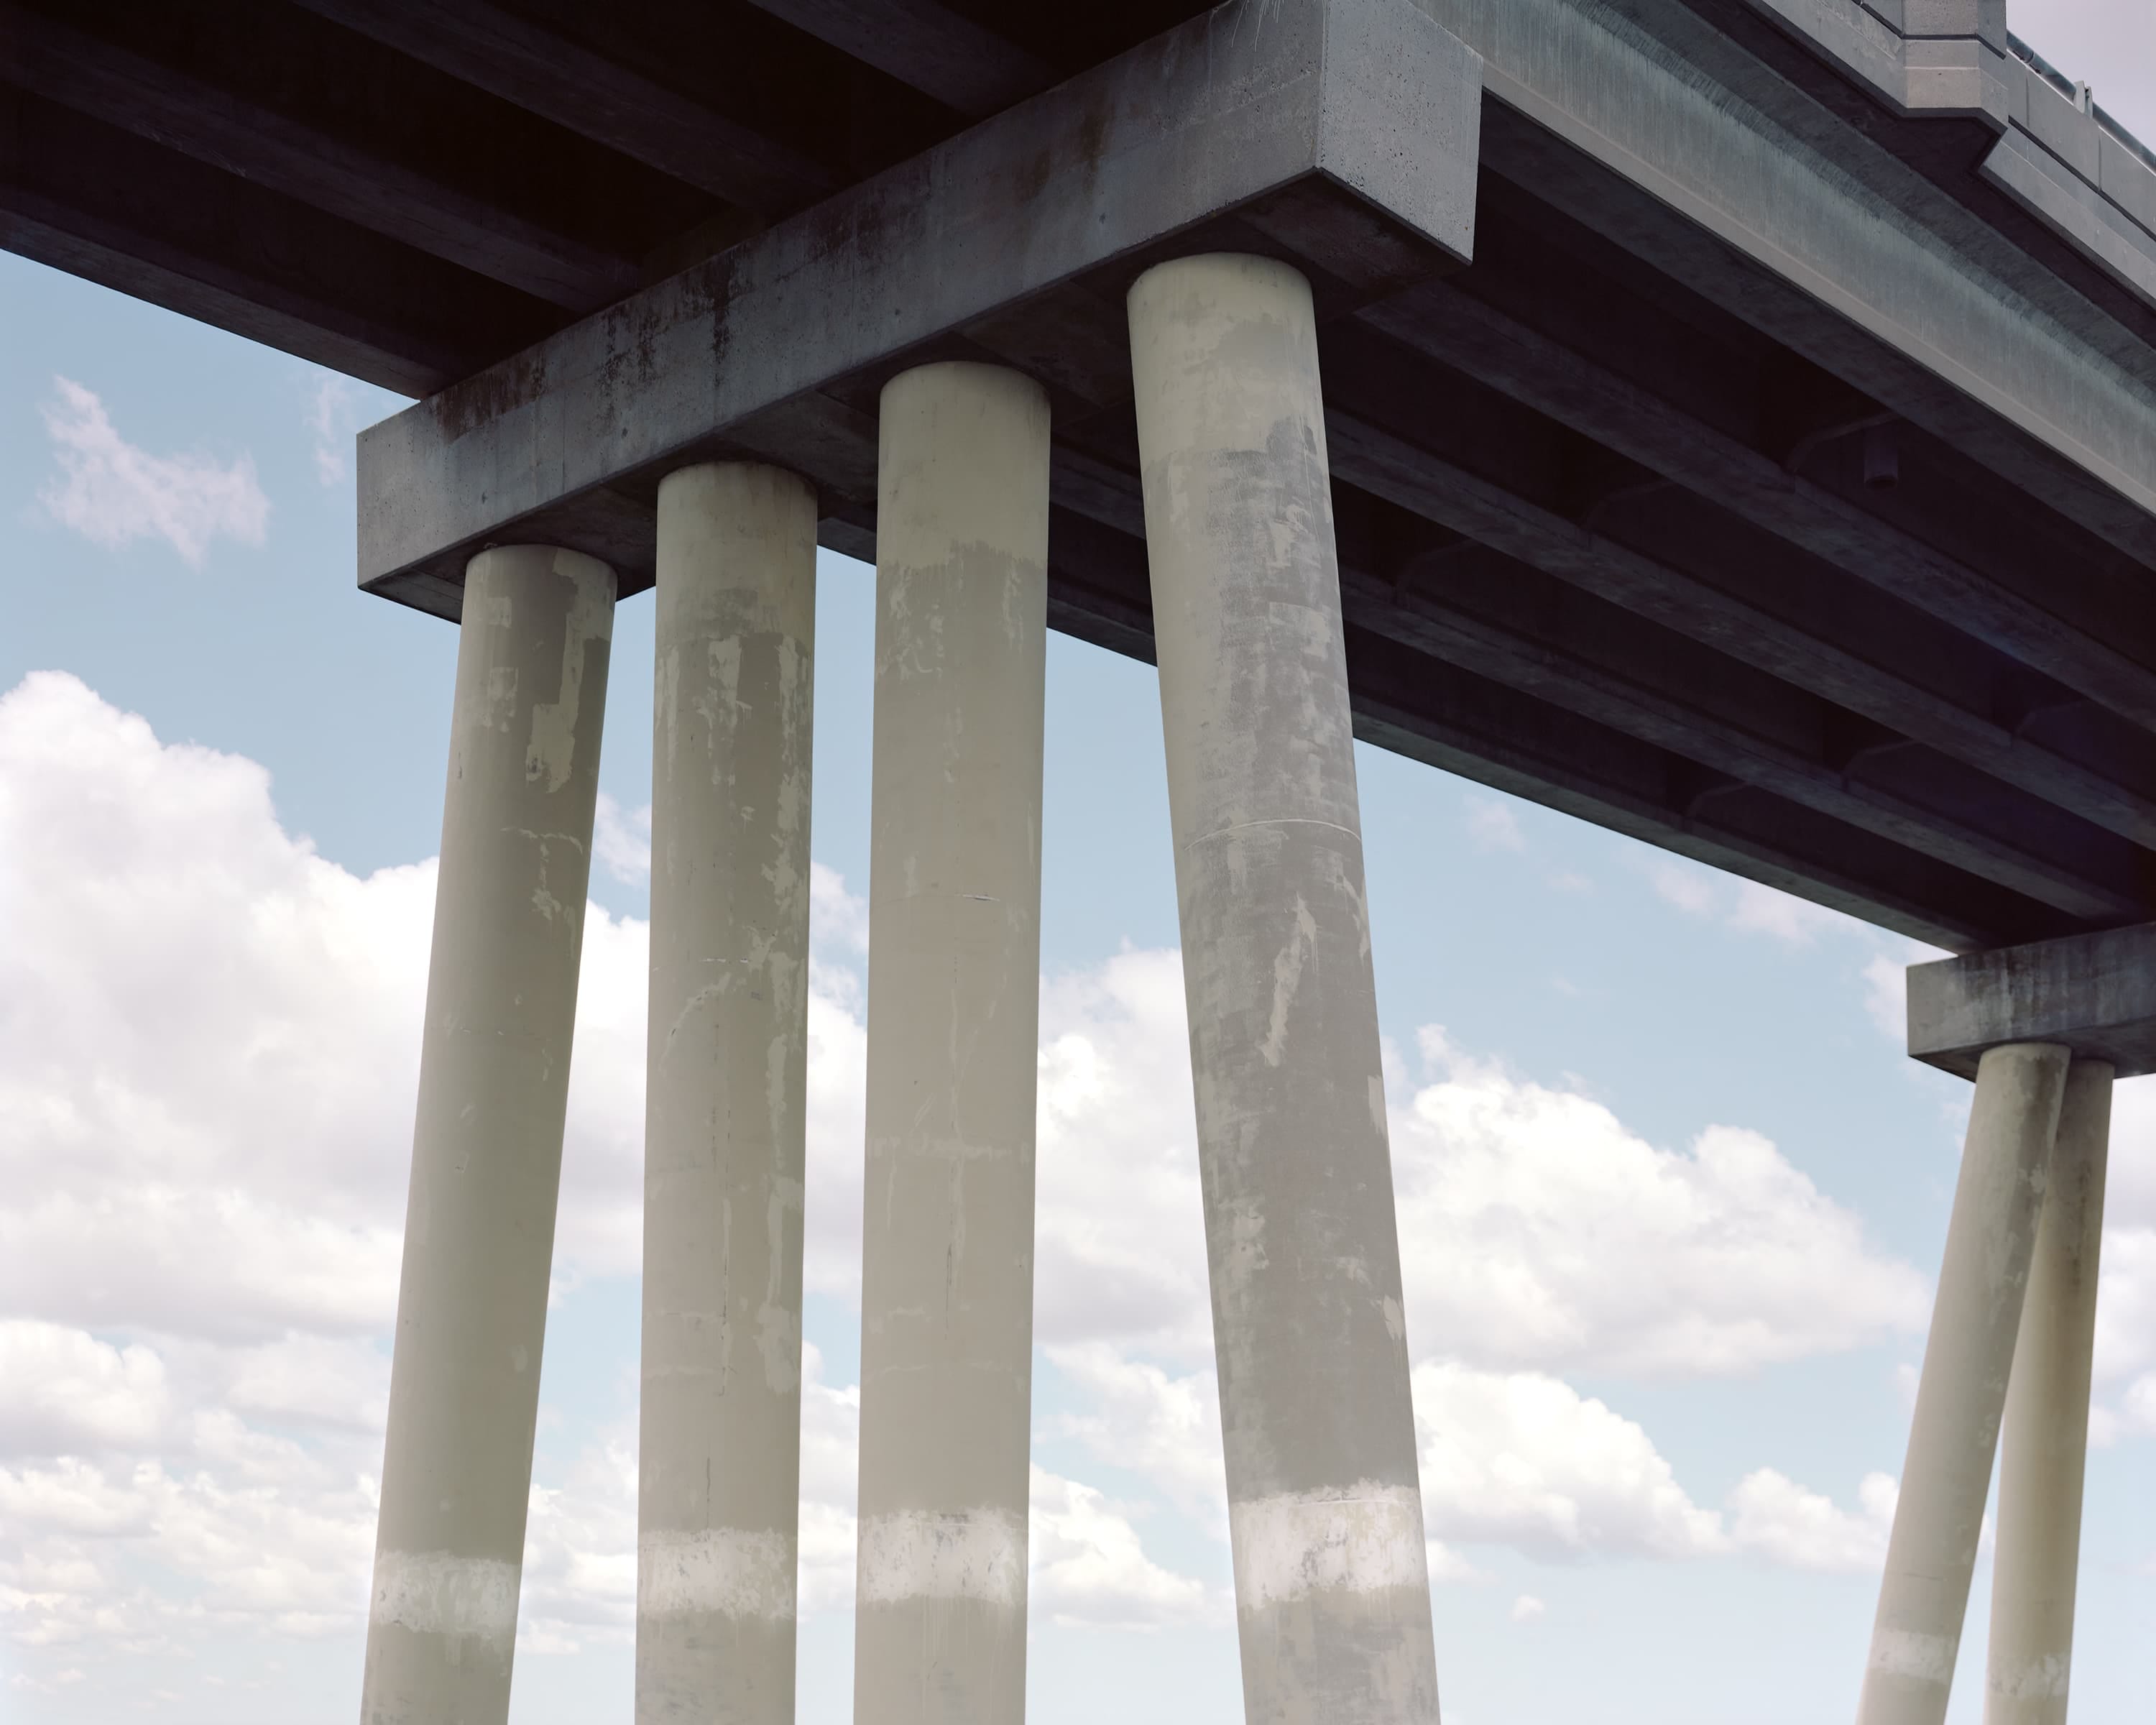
{"type": "Point", "coordinates": [1367, 99]}
{"type": "Point", "coordinates": [2044, 1441]}
{"type": "Point", "coordinates": [1964, 317]}
{"type": "Point", "coordinates": [725, 1101]}
{"type": "Point", "coordinates": [2094, 992]}
{"type": "Point", "coordinates": [953, 1014]}
{"type": "Point", "coordinates": [1953, 1435]}
{"type": "Point", "coordinates": [486, 1152]}
{"type": "Point", "coordinates": [1324, 1502]}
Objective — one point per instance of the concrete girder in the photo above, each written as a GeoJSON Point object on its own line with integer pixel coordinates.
{"type": "Point", "coordinates": [1943, 334]}
{"type": "Point", "coordinates": [1970, 338]}
{"type": "Point", "coordinates": [1487, 718]}
{"type": "Point", "coordinates": [1329, 109]}
{"type": "Point", "coordinates": [499, 50]}
{"type": "Point", "coordinates": [1472, 336]}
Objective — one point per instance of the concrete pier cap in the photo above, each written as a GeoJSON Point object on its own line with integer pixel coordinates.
{"type": "Point", "coordinates": [2092, 993]}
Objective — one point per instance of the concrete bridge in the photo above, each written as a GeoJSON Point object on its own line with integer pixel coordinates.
{"type": "Point", "coordinates": [1732, 422]}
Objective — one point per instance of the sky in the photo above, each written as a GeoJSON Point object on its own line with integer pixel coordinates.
{"type": "Point", "coordinates": [1671, 1198]}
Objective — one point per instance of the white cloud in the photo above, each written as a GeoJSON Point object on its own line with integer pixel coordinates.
{"type": "Point", "coordinates": [1536, 1231]}
{"type": "Point", "coordinates": [1153, 1422]}
{"type": "Point", "coordinates": [1091, 1568]}
{"type": "Point", "coordinates": [1887, 996]}
{"type": "Point", "coordinates": [63, 1391]}
{"type": "Point", "coordinates": [1773, 1518]}
{"type": "Point", "coordinates": [1120, 1244]}
{"type": "Point", "coordinates": [1493, 826]}
{"type": "Point", "coordinates": [1527, 1607]}
{"type": "Point", "coordinates": [621, 841]}
{"type": "Point", "coordinates": [1523, 1459]}
{"type": "Point", "coordinates": [1745, 906]}
{"type": "Point", "coordinates": [331, 418]}
{"type": "Point", "coordinates": [113, 493]}
{"type": "Point", "coordinates": [208, 1042]}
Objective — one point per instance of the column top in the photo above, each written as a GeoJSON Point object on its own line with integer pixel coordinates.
{"type": "Point", "coordinates": [2095, 992]}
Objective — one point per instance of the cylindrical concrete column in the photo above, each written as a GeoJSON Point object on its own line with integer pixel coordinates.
{"type": "Point", "coordinates": [719, 1475]}
{"type": "Point", "coordinates": [953, 1012]}
{"type": "Point", "coordinates": [2044, 1441]}
{"type": "Point", "coordinates": [1325, 1508]}
{"type": "Point", "coordinates": [1953, 1435]}
{"type": "Point", "coordinates": [486, 1153]}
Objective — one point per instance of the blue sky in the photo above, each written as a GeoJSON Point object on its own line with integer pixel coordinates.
{"type": "Point", "coordinates": [1671, 1197]}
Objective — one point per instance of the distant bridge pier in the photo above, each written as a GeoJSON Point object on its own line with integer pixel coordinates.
{"type": "Point", "coordinates": [2043, 1029]}
{"type": "Point", "coordinates": [1953, 1435]}
{"type": "Point", "coordinates": [1325, 1507]}
{"type": "Point", "coordinates": [2044, 1442]}
{"type": "Point", "coordinates": [486, 1153]}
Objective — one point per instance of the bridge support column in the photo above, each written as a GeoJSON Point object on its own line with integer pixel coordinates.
{"type": "Point", "coordinates": [718, 1471]}
{"type": "Point", "coordinates": [486, 1155]}
{"type": "Point", "coordinates": [1953, 1435]}
{"type": "Point", "coordinates": [2044, 1443]}
{"type": "Point", "coordinates": [953, 1014]}
{"type": "Point", "coordinates": [1325, 1508]}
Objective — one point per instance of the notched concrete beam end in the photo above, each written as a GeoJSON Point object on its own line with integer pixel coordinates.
{"type": "Point", "coordinates": [2094, 992]}
{"type": "Point", "coordinates": [1345, 132]}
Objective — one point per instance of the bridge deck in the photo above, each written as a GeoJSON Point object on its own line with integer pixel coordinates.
{"type": "Point", "coordinates": [1638, 516]}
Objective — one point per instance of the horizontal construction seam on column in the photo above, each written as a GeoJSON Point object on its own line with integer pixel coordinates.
{"type": "Point", "coordinates": [1252, 826]}
{"type": "Point", "coordinates": [728, 1572]}
{"type": "Point", "coordinates": [928, 1554]}
{"type": "Point", "coordinates": [438, 1592]}
{"type": "Point", "coordinates": [937, 1149]}
{"type": "Point", "coordinates": [1363, 1538]}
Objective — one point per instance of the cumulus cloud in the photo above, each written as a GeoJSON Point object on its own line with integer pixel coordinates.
{"type": "Point", "coordinates": [208, 1041]}
{"type": "Point", "coordinates": [1089, 1567]}
{"type": "Point", "coordinates": [1144, 1418]}
{"type": "Point", "coordinates": [113, 493]}
{"type": "Point", "coordinates": [332, 416]}
{"type": "Point", "coordinates": [1523, 1459]}
{"type": "Point", "coordinates": [1537, 1231]}
{"type": "Point", "coordinates": [621, 841]}
{"type": "Point", "coordinates": [62, 1391]}
{"type": "Point", "coordinates": [1492, 825]}
{"type": "Point", "coordinates": [1744, 905]}
{"type": "Point", "coordinates": [1773, 1518]}
{"type": "Point", "coordinates": [1120, 1251]}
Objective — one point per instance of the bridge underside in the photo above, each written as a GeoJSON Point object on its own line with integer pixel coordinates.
{"type": "Point", "coordinates": [1633, 521]}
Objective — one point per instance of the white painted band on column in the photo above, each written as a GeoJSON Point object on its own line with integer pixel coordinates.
{"type": "Point", "coordinates": [722, 1572]}
{"type": "Point", "coordinates": [1961, 1394]}
{"type": "Point", "coordinates": [923, 1554]}
{"type": "Point", "coordinates": [438, 1592]}
{"type": "Point", "coordinates": [2044, 1439]}
{"type": "Point", "coordinates": [1365, 1539]}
